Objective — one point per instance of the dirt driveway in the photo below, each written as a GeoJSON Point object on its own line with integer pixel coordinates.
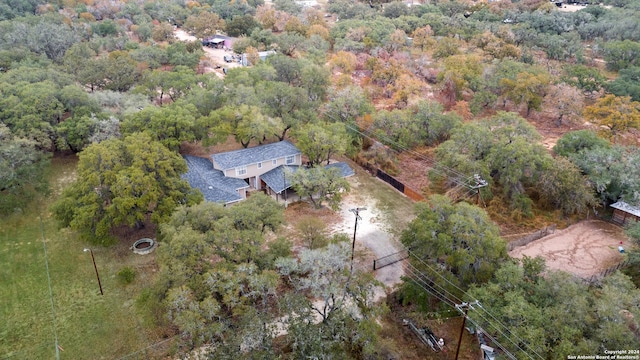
{"type": "Point", "coordinates": [215, 56]}
{"type": "Point", "coordinates": [583, 249]}
{"type": "Point", "coordinates": [373, 236]}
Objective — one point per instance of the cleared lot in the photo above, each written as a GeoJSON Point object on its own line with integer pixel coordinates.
{"type": "Point", "coordinates": [583, 249]}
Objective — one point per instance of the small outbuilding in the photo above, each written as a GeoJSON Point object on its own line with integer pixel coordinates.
{"type": "Point", "coordinates": [624, 213]}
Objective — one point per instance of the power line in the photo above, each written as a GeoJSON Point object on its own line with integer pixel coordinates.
{"type": "Point", "coordinates": [454, 298]}
{"type": "Point", "coordinates": [420, 282]}
{"type": "Point", "coordinates": [411, 253]}
{"type": "Point", "coordinates": [508, 337]}
{"type": "Point", "coordinates": [506, 328]}
{"type": "Point", "coordinates": [46, 262]}
{"type": "Point", "coordinates": [456, 176]}
{"type": "Point", "coordinates": [493, 340]}
{"type": "Point", "coordinates": [504, 335]}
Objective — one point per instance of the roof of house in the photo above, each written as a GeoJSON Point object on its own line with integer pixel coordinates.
{"type": "Point", "coordinates": [278, 181]}
{"type": "Point", "coordinates": [211, 182]}
{"type": "Point", "coordinates": [345, 169]}
{"type": "Point", "coordinates": [621, 205]}
{"type": "Point", "coordinates": [244, 157]}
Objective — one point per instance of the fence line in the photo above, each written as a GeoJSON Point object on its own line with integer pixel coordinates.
{"type": "Point", "coordinates": [390, 259]}
{"type": "Point", "coordinates": [399, 185]}
{"type": "Point", "coordinates": [597, 278]}
{"type": "Point", "coordinates": [531, 237]}
{"type": "Point", "coordinates": [412, 194]}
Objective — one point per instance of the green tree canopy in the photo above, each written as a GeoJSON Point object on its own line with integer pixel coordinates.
{"type": "Point", "coordinates": [245, 123]}
{"type": "Point", "coordinates": [554, 315]}
{"type": "Point", "coordinates": [573, 142]}
{"type": "Point", "coordinates": [170, 125]}
{"type": "Point", "coordinates": [459, 237]}
{"type": "Point", "coordinates": [22, 168]}
{"type": "Point", "coordinates": [320, 185]}
{"type": "Point", "coordinates": [612, 171]}
{"type": "Point", "coordinates": [503, 150]}
{"type": "Point", "coordinates": [627, 83]}
{"type": "Point", "coordinates": [337, 317]}
{"type": "Point", "coordinates": [216, 276]}
{"type": "Point", "coordinates": [319, 142]}
{"type": "Point", "coordinates": [621, 54]}
{"type": "Point", "coordinates": [120, 182]}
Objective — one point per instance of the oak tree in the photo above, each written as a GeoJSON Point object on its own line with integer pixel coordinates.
{"type": "Point", "coordinates": [121, 182]}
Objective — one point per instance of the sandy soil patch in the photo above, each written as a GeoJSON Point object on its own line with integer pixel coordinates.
{"type": "Point", "coordinates": [583, 249]}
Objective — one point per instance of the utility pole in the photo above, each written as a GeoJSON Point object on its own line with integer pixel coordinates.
{"type": "Point", "coordinates": [480, 183]}
{"type": "Point", "coordinates": [464, 319]}
{"type": "Point", "coordinates": [96, 268]}
{"type": "Point", "coordinates": [356, 212]}
{"type": "Point", "coordinates": [464, 309]}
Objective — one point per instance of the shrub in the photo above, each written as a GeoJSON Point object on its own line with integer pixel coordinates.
{"type": "Point", "coordinates": [126, 275]}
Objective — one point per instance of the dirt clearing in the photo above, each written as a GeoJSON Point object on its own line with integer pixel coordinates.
{"type": "Point", "coordinates": [215, 56]}
{"type": "Point", "coordinates": [583, 249]}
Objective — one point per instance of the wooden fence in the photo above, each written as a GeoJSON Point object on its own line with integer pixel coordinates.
{"type": "Point", "coordinates": [531, 237]}
{"type": "Point", "coordinates": [597, 278]}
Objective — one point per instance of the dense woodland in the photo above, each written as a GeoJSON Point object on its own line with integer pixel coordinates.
{"type": "Point", "coordinates": [475, 86]}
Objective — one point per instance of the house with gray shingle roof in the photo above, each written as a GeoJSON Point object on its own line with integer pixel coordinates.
{"type": "Point", "coordinates": [250, 163]}
{"type": "Point", "coordinates": [212, 183]}
{"type": "Point", "coordinates": [227, 177]}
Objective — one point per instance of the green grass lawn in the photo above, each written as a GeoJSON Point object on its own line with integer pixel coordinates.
{"type": "Point", "coordinates": [88, 325]}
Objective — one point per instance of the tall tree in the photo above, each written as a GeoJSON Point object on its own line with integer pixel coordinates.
{"type": "Point", "coordinates": [245, 123]}
{"type": "Point", "coordinates": [170, 125]}
{"type": "Point", "coordinates": [612, 171]}
{"type": "Point", "coordinates": [503, 150]}
{"type": "Point", "coordinates": [527, 88]}
{"type": "Point", "coordinates": [573, 142]}
{"type": "Point", "coordinates": [319, 142]}
{"type": "Point", "coordinates": [565, 188]}
{"type": "Point", "coordinates": [175, 83]}
{"type": "Point", "coordinates": [587, 79]}
{"type": "Point", "coordinates": [458, 237]}
{"type": "Point", "coordinates": [347, 104]}
{"type": "Point", "coordinates": [213, 280]}
{"type": "Point", "coordinates": [320, 184]}
{"type": "Point", "coordinates": [120, 182]}
{"type": "Point", "coordinates": [616, 114]}
{"type": "Point", "coordinates": [287, 102]}
{"type": "Point", "coordinates": [204, 24]}
{"type": "Point", "coordinates": [337, 316]}
{"type": "Point", "coordinates": [22, 168]}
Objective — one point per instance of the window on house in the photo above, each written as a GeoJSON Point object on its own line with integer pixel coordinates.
{"type": "Point", "coordinates": [259, 165]}
{"type": "Point", "coordinates": [274, 162]}
{"type": "Point", "coordinates": [241, 171]}
{"type": "Point", "coordinates": [290, 159]}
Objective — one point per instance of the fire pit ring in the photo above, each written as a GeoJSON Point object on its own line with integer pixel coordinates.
{"type": "Point", "coordinates": [144, 246]}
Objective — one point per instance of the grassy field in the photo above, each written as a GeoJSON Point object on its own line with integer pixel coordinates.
{"type": "Point", "coordinates": [87, 324]}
